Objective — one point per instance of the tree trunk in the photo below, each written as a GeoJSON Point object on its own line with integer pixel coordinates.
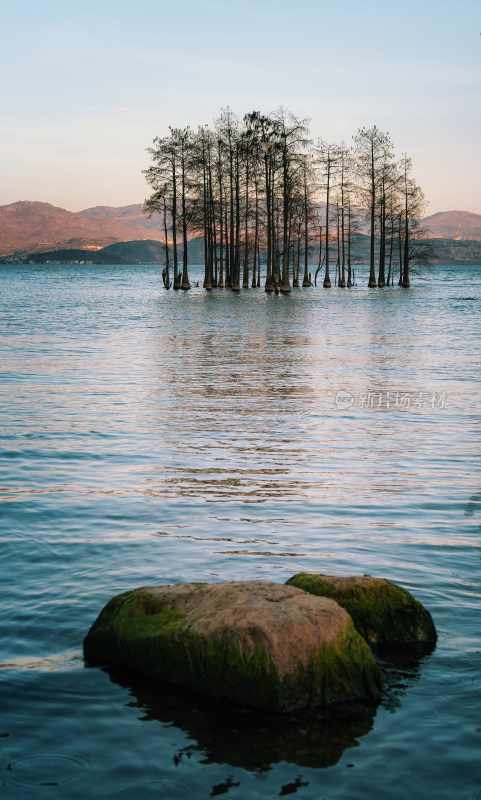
{"type": "Point", "coordinates": [285, 286]}
{"type": "Point", "coordinates": [236, 280]}
{"type": "Point", "coordinates": [166, 248]}
{"type": "Point", "coordinates": [342, 281]}
{"type": "Point", "coordinates": [268, 180]}
{"type": "Point", "coordinates": [349, 237]}
{"type": "Point", "coordinates": [212, 219]}
{"type": "Point", "coordinates": [227, 242]}
{"type": "Point", "coordinates": [276, 254]}
{"type": "Point", "coordinates": [405, 281]}
{"type": "Point", "coordinates": [391, 236]}
{"type": "Point", "coordinates": [298, 256]}
{"type": "Point", "coordinates": [174, 225]}
{"type": "Point", "coordinates": [256, 265]}
{"type": "Point", "coordinates": [327, 279]}
{"type": "Point", "coordinates": [231, 237]}
{"type": "Point", "coordinates": [338, 236]}
{"type": "Point", "coordinates": [220, 282]}
{"type": "Point", "coordinates": [400, 251]}
{"type": "Point", "coordinates": [245, 271]}
{"type": "Point", "coordinates": [372, 269]}
{"type": "Point", "coordinates": [382, 238]}
{"type": "Point", "coordinates": [185, 284]}
{"type": "Point", "coordinates": [305, 281]}
{"type": "Point", "coordinates": [320, 257]}
{"type": "Point", "coordinates": [205, 214]}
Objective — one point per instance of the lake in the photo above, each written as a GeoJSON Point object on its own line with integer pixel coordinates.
{"type": "Point", "coordinates": [158, 437]}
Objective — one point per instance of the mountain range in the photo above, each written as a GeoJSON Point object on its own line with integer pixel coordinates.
{"type": "Point", "coordinates": [33, 226]}
{"type": "Point", "coordinates": [457, 225]}
{"type": "Point", "coordinates": [28, 226]}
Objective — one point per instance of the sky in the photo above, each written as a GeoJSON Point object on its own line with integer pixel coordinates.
{"type": "Point", "coordinates": [86, 88]}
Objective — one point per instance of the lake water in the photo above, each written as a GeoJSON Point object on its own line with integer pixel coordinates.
{"type": "Point", "coordinates": [151, 437]}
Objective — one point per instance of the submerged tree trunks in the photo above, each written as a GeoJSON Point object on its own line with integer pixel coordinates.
{"type": "Point", "coordinates": [251, 188]}
{"type": "Point", "coordinates": [327, 277]}
{"type": "Point", "coordinates": [166, 271]}
{"type": "Point", "coordinates": [372, 269]}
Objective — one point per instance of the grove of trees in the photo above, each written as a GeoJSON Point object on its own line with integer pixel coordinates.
{"type": "Point", "coordinates": [274, 206]}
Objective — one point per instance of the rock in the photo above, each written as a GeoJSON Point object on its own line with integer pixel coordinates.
{"type": "Point", "coordinates": [263, 645]}
{"type": "Point", "coordinates": [384, 614]}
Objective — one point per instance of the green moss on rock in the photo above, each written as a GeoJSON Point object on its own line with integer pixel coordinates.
{"type": "Point", "coordinates": [345, 669]}
{"type": "Point", "coordinates": [264, 645]}
{"type": "Point", "coordinates": [384, 614]}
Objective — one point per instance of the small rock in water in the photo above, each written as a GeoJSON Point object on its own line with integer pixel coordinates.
{"type": "Point", "coordinates": [291, 788]}
{"type": "Point", "coordinates": [223, 788]}
{"type": "Point", "coordinates": [262, 645]}
{"type": "Point", "coordinates": [384, 614]}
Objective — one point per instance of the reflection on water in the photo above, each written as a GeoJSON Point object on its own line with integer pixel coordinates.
{"type": "Point", "coordinates": [251, 740]}
{"type": "Point", "coordinates": [150, 437]}
{"type": "Point", "coordinates": [474, 505]}
{"type": "Point", "coordinates": [182, 733]}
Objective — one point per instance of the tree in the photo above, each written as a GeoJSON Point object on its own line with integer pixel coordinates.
{"type": "Point", "coordinates": [183, 142]}
{"type": "Point", "coordinates": [162, 176]}
{"type": "Point", "coordinates": [370, 144]}
{"type": "Point", "coordinates": [157, 203]}
{"type": "Point", "coordinates": [328, 160]}
{"type": "Point", "coordinates": [258, 191]}
{"type": "Point", "coordinates": [344, 187]}
{"type": "Point", "coordinates": [413, 200]}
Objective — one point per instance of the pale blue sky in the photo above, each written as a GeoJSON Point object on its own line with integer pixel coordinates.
{"type": "Point", "coordinates": [85, 89]}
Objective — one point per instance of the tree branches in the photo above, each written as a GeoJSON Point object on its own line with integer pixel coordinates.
{"type": "Point", "coordinates": [260, 192]}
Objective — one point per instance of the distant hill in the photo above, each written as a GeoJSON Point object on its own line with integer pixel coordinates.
{"type": "Point", "coordinates": [151, 251]}
{"type": "Point", "coordinates": [454, 251]}
{"type": "Point", "coordinates": [125, 217]}
{"type": "Point", "coordinates": [144, 251]}
{"type": "Point", "coordinates": [460, 225]}
{"type": "Point", "coordinates": [28, 226]}
{"type": "Point", "coordinates": [39, 227]}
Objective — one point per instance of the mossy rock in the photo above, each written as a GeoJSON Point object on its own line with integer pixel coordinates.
{"type": "Point", "coordinates": [386, 615]}
{"type": "Point", "coordinates": [262, 645]}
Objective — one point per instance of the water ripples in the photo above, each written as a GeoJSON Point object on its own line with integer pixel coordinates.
{"type": "Point", "coordinates": [149, 437]}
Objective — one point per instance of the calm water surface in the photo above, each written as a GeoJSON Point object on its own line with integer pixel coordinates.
{"type": "Point", "coordinates": [152, 437]}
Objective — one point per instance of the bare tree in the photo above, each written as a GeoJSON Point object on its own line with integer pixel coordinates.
{"type": "Point", "coordinates": [370, 144]}
{"type": "Point", "coordinates": [258, 192]}
{"type": "Point", "coordinates": [328, 158]}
